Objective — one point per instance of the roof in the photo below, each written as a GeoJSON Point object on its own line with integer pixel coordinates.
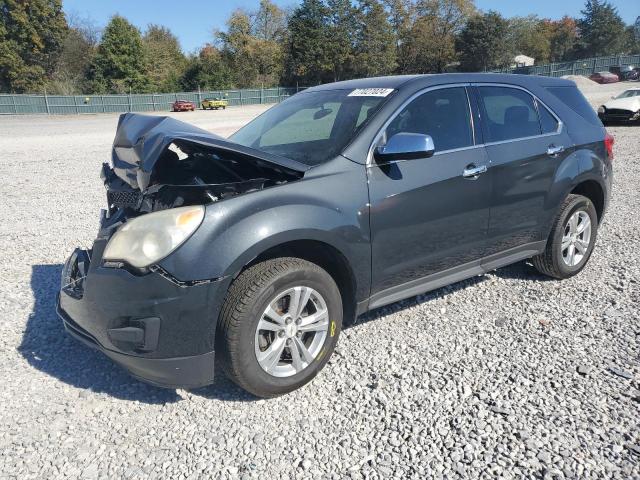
{"type": "Point", "coordinates": [400, 81]}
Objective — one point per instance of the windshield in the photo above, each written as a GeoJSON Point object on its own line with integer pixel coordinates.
{"type": "Point", "coordinates": [629, 93]}
{"type": "Point", "coordinates": [310, 127]}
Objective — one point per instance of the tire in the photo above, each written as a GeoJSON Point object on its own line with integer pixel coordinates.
{"type": "Point", "coordinates": [557, 262]}
{"type": "Point", "coordinates": [239, 341]}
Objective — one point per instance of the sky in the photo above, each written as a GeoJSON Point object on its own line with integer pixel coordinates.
{"type": "Point", "coordinates": [193, 21]}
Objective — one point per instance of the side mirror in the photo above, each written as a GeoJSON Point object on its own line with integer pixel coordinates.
{"type": "Point", "coordinates": [405, 146]}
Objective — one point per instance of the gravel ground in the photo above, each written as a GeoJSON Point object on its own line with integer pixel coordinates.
{"type": "Point", "coordinates": [505, 375]}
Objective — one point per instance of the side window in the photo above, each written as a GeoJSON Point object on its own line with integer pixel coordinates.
{"type": "Point", "coordinates": [548, 122]}
{"type": "Point", "coordinates": [442, 113]}
{"type": "Point", "coordinates": [510, 113]}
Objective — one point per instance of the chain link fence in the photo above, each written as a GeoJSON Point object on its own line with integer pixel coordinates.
{"type": "Point", "coordinates": [11, 104]}
{"type": "Point", "coordinates": [584, 67]}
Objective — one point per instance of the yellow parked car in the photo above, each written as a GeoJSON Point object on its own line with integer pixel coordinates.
{"type": "Point", "coordinates": [214, 104]}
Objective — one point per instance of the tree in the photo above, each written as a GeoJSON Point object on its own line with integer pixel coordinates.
{"type": "Point", "coordinates": [402, 17]}
{"type": "Point", "coordinates": [307, 58]}
{"type": "Point", "coordinates": [207, 71]}
{"type": "Point", "coordinates": [563, 39]}
{"type": "Point", "coordinates": [163, 59]}
{"type": "Point", "coordinates": [530, 36]}
{"type": "Point", "coordinates": [78, 49]}
{"type": "Point", "coordinates": [601, 29]}
{"type": "Point", "coordinates": [632, 38]}
{"type": "Point", "coordinates": [252, 45]}
{"type": "Point", "coordinates": [483, 43]}
{"type": "Point", "coordinates": [342, 31]}
{"type": "Point", "coordinates": [375, 52]}
{"type": "Point", "coordinates": [31, 36]}
{"type": "Point", "coordinates": [118, 65]}
{"type": "Point", "coordinates": [430, 43]}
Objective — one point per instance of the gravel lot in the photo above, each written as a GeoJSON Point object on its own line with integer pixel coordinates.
{"type": "Point", "coordinates": [505, 375]}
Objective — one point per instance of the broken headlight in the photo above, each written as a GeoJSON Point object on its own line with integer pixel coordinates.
{"type": "Point", "coordinates": [145, 240]}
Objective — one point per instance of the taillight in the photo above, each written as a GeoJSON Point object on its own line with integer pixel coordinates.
{"type": "Point", "coordinates": [608, 145]}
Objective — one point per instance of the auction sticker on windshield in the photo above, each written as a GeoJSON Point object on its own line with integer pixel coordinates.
{"type": "Point", "coordinates": [371, 92]}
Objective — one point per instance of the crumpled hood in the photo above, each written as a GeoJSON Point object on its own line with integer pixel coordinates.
{"type": "Point", "coordinates": [632, 104]}
{"type": "Point", "coordinates": [141, 140]}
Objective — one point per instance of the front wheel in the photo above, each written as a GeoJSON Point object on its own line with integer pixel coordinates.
{"type": "Point", "coordinates": [571, 241]}
{"type": "Point", "coordinates": [278, 326]}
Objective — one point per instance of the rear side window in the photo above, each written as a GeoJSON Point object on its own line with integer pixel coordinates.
{"type": "Point", "coordinates": [510, 113]}
{"type": "Point", "coordinates": [442, 113]}
{"type": "Point", "coordinates": [572, 97]}
{"type": "Point", "coordinates": [548, 122]}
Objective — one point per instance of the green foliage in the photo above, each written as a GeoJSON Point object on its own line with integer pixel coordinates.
{"type": "Point", "coordinates": [163, 59]}
{"type": "Point", "coordinates": [307, 59]}
{"type": "Point", "coordinates": [632, 38]}
{"type": "Point", "coordinates": [484, 43]}
{"type": "Point", "coordinates": [429, 43]}
{"type": "Point", "coordinates": [119, 63]}
{"type": "Point", "coordinates": [31, 36]}
{"type": "Point", "coordinates": [252, 46]}
{"type": "Point", "coordinates": [319, 41]}
{"type": "Point", "coordinates": [530, 36]}
{"type": "Point", "coordinates": [602, 31]}
{"type": "Point", "coordinates": [78, 49]}
{"type": "Point", "coordinates": [375, 52]}
{"type": "Point", "coordinates": [563, 38]}
{"type": "Point", "coordinates": [341, 34]}
{"type": "Point", "coordinates": [207, 71]}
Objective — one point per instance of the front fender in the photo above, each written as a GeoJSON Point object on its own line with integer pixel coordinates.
{"type": "Point", "coordinates": [329, 208]}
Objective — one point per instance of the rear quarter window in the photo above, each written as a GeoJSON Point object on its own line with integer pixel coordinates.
{"type": "Point", "coordinates": [573, 98]}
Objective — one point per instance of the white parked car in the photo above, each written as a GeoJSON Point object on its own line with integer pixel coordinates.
{"type": "Point", "coordinates": [623, 108]}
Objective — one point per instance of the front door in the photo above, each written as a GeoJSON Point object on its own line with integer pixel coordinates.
{"type": "Point", "coordinates": [429, 216]}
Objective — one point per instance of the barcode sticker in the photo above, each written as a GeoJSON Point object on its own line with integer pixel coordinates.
{"type": "Point", "coordinates": [371, 92]}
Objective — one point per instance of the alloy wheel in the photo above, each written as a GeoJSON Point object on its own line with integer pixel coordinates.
{"type": "Point", "coordinates": [576, 238]}
{"type": "Point", "coordinates": [292, 331]}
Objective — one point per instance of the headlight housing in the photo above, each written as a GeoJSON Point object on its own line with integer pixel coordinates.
{"type": "Point", "coordinates": [145, 240]}
{"type": "Point", "coordinates": [601, 109]}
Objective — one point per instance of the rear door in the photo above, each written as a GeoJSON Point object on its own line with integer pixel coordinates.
{"type": "Point", "coordinates": [525, 143]}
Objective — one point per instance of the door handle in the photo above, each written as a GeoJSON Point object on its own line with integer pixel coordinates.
{"type": "Point", "coordinates": [472, 172]}
{"type": "Point", "coordinates": [553, 150]}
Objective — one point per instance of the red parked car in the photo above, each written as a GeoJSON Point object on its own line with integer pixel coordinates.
{"type": "Point", "coordinates": [604, 77]}
{"type": "Point", "coordinates": [183, 106]}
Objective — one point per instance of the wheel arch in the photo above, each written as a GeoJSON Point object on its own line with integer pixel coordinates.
{"type": "Point", "coordinates": [594, 192]}
{"type": "Point", "coordinates": [327, 257]}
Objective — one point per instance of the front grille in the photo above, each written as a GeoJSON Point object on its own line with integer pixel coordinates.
{"type": "Point", "coordinates": [123, 199]}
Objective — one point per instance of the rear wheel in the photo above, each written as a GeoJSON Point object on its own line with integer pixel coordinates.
{"type": "Point", "coordinates": [279, 325]}
{"type": "Point", "coordinates": [571, 241]}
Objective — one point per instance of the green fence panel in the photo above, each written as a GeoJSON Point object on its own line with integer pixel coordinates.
{"type": "Point", "coordinates": [158, 102]}
{"type": "Point", "coordinates": [585, 66]}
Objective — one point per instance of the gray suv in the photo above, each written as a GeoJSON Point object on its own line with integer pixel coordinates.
{"type": "Point", "coordinates": [254, 250]}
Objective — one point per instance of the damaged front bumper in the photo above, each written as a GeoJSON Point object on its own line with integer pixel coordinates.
{"type": "Point", "coordinates": [161, 332]}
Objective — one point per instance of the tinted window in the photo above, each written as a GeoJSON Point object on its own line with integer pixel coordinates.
{"type": "Point", "coordinates": [572, 97]}
{"type": "Point", "coordinates": [547, 120]}
{"type": "Point", "coordinates": [442, 113]}
{"type": "Point", "coordinates": [510, 113]}
{"type": "Point", "coordinates": [311, 127]}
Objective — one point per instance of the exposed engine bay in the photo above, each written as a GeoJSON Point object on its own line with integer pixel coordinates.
{"type": "Point", "coordinates": [161, 163]}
